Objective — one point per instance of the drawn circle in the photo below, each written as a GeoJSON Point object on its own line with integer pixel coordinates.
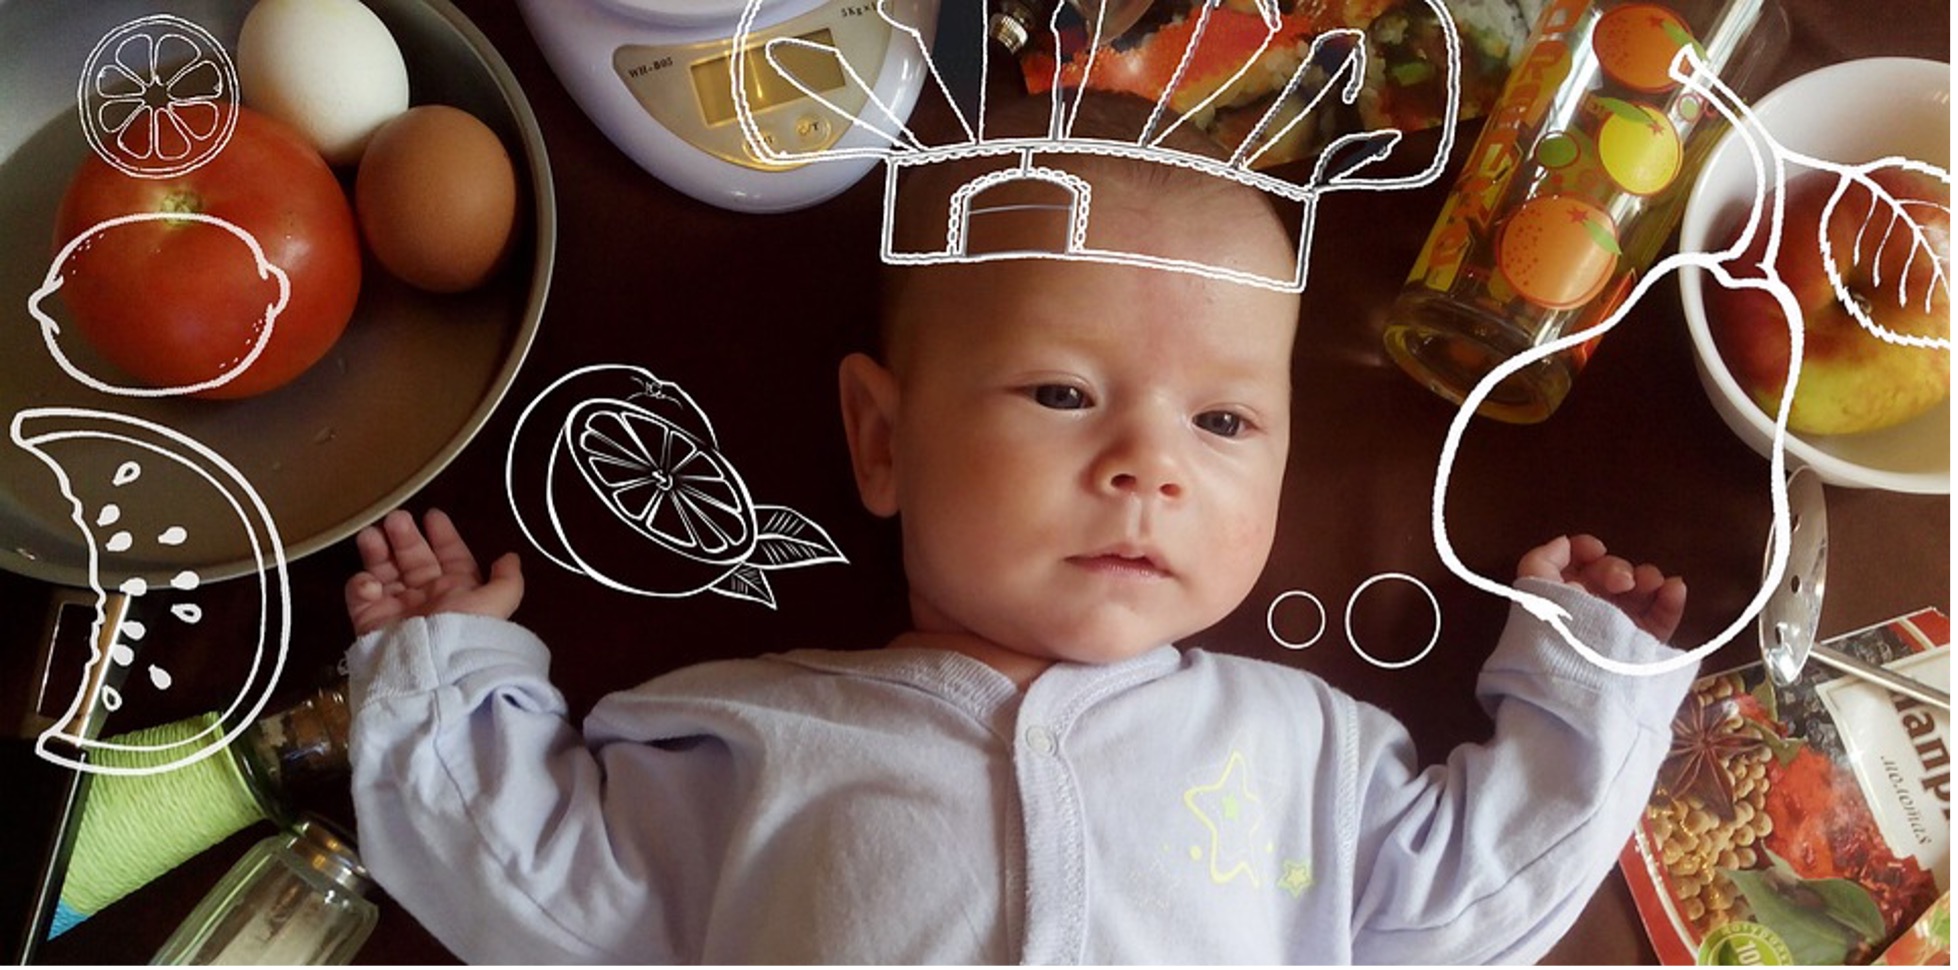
{"type": "Point", "coordinates": [1271, 620]}
{"type": "Point", "coordinates": [1433, 638]}
{"type": "Point", "coordinates": [158, 97]}
{"type": "Point", "coordinates": [1558, 251]}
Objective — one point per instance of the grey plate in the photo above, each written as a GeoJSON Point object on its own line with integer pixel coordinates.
{"type": "Point", "coordinates": [398, 397]}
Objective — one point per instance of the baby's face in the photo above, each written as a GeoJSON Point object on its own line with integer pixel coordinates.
{"type": "Point", "coordinates": [1088, 457]}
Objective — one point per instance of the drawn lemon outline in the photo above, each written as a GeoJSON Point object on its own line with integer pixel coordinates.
{"type": "Point", "coordinates": [58, 277]}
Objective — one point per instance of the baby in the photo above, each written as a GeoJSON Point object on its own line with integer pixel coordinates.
{"type": "Point", "coordinates": [1085, 461]}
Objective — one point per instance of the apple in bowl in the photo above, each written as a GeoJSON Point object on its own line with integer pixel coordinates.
{"type": "Point", "coordinates": [1869, 261]}
{"type": "Point", "coordinates": [1855, 116]}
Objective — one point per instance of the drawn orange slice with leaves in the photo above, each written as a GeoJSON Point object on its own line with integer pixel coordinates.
{"type": "Point", "coordinates": [619, 449]}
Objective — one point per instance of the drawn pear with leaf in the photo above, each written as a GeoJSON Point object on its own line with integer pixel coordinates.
{"type": "Point", "coordinates": [610, 453]}
{"type": "Point", "coordinates": [1891, 236]}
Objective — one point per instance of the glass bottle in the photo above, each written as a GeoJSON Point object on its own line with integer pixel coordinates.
{"type": "Point", "coordinates": [1574, 184]}
{"type": "Point", "coordinates": [297, 898]}
{"type": "Point", "coordinates": [295, 749]}
{"type": "Point", "coordinates": [134, 827]}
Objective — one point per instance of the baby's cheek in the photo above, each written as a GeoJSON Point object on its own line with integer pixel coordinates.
{"type": "Point", "coordinates": [1244, 544]}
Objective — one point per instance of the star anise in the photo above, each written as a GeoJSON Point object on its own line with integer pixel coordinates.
{"type": "Point", "coordinates": [1707, 735]}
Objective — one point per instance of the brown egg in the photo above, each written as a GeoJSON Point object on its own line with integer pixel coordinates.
{"type": "Point", "coordinates": [437, 198]}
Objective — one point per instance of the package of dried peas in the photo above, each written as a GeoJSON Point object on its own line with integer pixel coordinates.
{"type": "Point", "coordinates": [1803, 824]}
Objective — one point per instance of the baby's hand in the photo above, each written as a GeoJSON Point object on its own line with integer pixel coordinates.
{"type": "Point", "coordinates": [1653, 600]}
{"type": "Point", "coordinates": [408, 575]}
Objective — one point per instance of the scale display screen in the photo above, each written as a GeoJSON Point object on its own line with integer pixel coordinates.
{"type": "Point", "coordinates": [817, 70]}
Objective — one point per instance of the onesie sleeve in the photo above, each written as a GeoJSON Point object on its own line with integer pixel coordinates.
{"type": "Point", "coordinates": [1490, 856]}
{"type": "Point", "coordinates": [483, 812]}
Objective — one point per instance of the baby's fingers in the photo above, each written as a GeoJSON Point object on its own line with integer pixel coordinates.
{"type": "Point", "coordinates": [504, 591]}
{"type": "Point", "coordinates": [447, 545]}
{"type": "Point", "coordinates": [376, 556]}
{"type": "Point", "coordinates": [412, 555]}
{"type": "Point", "coordinates": [1661, 616]}
{"type": "Point", "coordinates": [1547, 561]}
{"type": "Point", "coordinates": [369, 607]}
{"type": "Point", "coordinates": [1608, 575]}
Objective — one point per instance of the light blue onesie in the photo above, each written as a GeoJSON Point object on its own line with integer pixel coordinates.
{"type": "Point", "coordinates": [909, 806]}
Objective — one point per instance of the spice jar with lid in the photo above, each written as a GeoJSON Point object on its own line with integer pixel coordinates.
{"type": "Point", "coordinates": [296, 898]}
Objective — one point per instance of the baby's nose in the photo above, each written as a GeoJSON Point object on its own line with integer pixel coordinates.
{"type": "Point", "coordinates": [1142, 465]}
{"type": "Point", "coordinates": [1128, 482]}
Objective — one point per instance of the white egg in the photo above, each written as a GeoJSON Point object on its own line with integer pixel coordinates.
{"type": "Point", "coordinates": [328, 68]}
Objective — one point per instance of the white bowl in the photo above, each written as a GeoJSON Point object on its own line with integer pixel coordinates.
{"type": "Point", "coordinates": [1853, 112]}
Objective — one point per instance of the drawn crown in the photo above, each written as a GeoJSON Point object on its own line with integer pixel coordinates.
{"type": "Point", "coordinates": [1335, 64]}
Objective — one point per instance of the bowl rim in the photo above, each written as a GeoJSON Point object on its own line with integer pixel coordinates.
{"type": "Point", "coordinates": [1755, 427]}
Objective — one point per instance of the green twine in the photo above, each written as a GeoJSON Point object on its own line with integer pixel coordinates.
{"type": "Point", "coordinates": [138, 827]}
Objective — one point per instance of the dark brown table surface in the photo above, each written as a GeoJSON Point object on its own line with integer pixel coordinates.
{"type": "Point", "coordinates": [752, 313]}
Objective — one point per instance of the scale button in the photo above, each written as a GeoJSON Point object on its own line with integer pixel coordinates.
{"type": "Point", "coordinates": [768, 138]}
{"type": "Point", "coordinates": [812, 129]}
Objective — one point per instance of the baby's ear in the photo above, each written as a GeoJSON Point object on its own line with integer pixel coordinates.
{"type": "Point", "coordinates": [869, 395]}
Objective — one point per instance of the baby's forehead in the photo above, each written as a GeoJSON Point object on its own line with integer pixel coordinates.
{"type": "Point", "coordinates": [1049, 312]}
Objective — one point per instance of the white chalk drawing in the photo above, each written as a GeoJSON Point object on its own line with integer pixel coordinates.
{"type": "Point", "coordinates": [82, 435]}
{"type": "Point", "coordinates": [611, 448]}
{"type": "Point", "coordinates": [1340, 55]}
{"type": "Point", "coordinates": [1770, 160]}
{"type": "Point", "coordinates": [1271, 619]}
{"type": "Point", "coordinates": [1419, 655]}
{"type": "Point", "coordinates": [1343, 63]}
{"type": "Point", "coordinates": [1352, 639]}
{"type": "Point", "coordinates": [58, 277]}
{"type": "Point", "coordinates": [158, 97]}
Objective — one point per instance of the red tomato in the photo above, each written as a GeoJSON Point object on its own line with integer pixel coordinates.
{"type": "Point", "coordinates": [179, 303]}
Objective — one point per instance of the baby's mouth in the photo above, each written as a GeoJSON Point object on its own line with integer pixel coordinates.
{"type": "Point", "coordinates": [1126, 561]}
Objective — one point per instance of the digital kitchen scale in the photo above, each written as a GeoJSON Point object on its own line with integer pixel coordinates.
{"type": "Point", "coordinates": [656, 77]}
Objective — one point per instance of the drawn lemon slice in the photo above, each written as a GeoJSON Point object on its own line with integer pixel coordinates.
{"type": "Point", "coordinates": [662, 481]}
{"type": "Point", "coordinates": [128, 483]}
{"type": "Point", "coordinates": [638, 470]}
{"type": "Point", "coordinates": [648, 468]}
{"type": "Point", "coordinates": [612, 450]}
{"type": "Point", "coordinates": [158, 97]}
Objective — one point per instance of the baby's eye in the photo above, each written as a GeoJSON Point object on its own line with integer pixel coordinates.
{"type": "Point", "coordinates": [1223, 424]}
{"type": "Point", "coordinates": [1060, 397]}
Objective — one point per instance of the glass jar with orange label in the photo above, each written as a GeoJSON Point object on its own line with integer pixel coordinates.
{"type": "Point", "coordinates": [1575, 182]}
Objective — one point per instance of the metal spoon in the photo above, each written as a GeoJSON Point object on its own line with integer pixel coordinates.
{"type": "Point", "coordinates": [1789, 621]}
